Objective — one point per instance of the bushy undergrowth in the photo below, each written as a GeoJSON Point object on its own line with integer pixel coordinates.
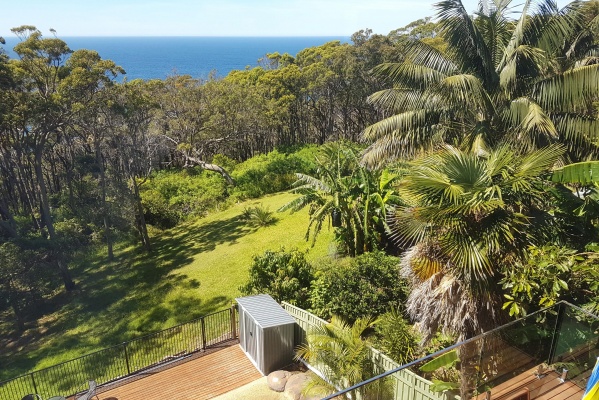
{"type": "Point", "coordinates": [361, 287]}
{"type": "Point", "coordinates": [170, 197]}
{"type": "Point", "coordinates": [271, 173]}
{"type": "Point", "coordinates": [286, 276]}
{"type": "Point", "coordinates": [396, 337]}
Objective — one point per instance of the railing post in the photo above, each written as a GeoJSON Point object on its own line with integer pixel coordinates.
{"type": "Point", "coordinates": [203, 334]}
{"type": "Point", "coordinates": [233, 322]}
{"type": "Point", "coordinates": [556, 333]}
{"type": "Point", "coordinates": [127, 358]}
{"type": "Point", "coordinates": [34, 385]}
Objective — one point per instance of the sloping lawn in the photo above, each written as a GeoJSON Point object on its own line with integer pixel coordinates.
{"type": "Point", "coordinates": [193, 269]}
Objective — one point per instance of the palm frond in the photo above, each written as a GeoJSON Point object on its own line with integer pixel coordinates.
{"type": "Point", "coordinates": [583, 173]}
{"type": "Point", "coordinates": [409, 75]}
{"type": "Point", "coordinates": [470, 262]}
{"type": "Point", "coordinates": [524, 64]}
{"type": "Point", "coordinates": [495, 27]}
{"type": "Point", "coordinates": [466, 44]}
{"type": "Point", "coordinates": [550, 27]}
{"type": "Point", "coordinates": [298, 203]}
{"type": "Point", "coordinates": [530, 123]}
{"type": "Point", "coordinates": [309, 182]}
{"type": "Point", "coordinates": [576, 129]}
{"type": "Point", "coordinates": [516, 38]}
{"type": "Point", "coordinates": [570, 91]}
{"type": "Point", "coordinates": [397, 99]}
{"type": "Point", "coordinates": [538, 162]}
{"type": "Point", "coordinates": [423, 54]}
{"type": "Point", "coordinates": [466, 90]}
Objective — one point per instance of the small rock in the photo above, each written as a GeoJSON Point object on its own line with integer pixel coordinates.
{"type": "Point", "coordinates": [277, 380]}
{"type": "Point", "coordinates": [295, 385]}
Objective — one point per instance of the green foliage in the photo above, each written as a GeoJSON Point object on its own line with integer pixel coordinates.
{"type": "Point", "coordinates": [445, 360]}
{"type": "Point", "coordinates": [169, 197]}
{"type": "Point", "coordinates": [269, 173]}
{"type": "Point", "coordinates": [551, 273]}
{"type": "Point", "coordinates": [396, 337]}
{"type": "Point", "coordinates": [23, 280]}
{"type": "Point", "coordinates": [540, 281]}
{"type": "Point", "coordinates": [368, 285]}
{"type": "Point", "coordinates": [258, 215]}
{"type": "Point", "coordinates": [358, 197]}
{"type": "Point", "coordinates": [340, 351]}
{"type": "Point", "coordinates": [286, 276]}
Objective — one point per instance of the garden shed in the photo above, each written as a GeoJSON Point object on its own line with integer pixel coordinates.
{"type": "Point", "coordinates": [265, 332]}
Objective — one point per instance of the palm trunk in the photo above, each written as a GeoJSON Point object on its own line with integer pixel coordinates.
{"type": "Point", "coordinates": [469, 360]}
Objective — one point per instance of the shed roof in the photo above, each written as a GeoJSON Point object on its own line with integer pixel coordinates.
{"type": "Point", "coordinates": [265, 310]}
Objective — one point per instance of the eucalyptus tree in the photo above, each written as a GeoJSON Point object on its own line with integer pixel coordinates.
{"type": "Point", "coordinates": [184, 118]}
{"type": "Point", "coordinates": [530, 81]}
{"type": "Point", "coordinates": [51, 86]}
{"type": "Point", "coordinates": [136, 151]}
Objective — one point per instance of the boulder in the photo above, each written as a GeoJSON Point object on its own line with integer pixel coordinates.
{"type": "Point", "coordinates": [295, 385]}
{"type": "Point", "coordinates": [277, 380]}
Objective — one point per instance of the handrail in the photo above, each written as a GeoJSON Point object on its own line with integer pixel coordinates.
{"type": "Point", "coordinates": [127, 358]}
{"type": "Point", "coordinates": [452, 347]}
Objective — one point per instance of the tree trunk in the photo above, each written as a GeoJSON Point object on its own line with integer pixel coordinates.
{"type": "Point", "coordinates": [140, 220]}
{"type": "Point", "coordinates": [47, 218]}
{"type": "Point", "coordinates": [211, 167]}
{"type": "Point", "coordinates": [18, 314]}
{"type": "Point", "coordinates": [105, 210]}
{"type": "Point", "coordinates": [7, 222]}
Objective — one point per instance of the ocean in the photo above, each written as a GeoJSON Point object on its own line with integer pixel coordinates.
{"type": "Point", "coordinates": [159, 57]}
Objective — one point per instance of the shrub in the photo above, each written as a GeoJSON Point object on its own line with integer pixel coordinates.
{"type": "Point", "coordinates": [286, 276]}
{"type": "Point", "coordinates": [396, 337]}
{"type": "Point", "coordinates": [368, 285]}
{"type": "Point", "coordinates": [172, 196]}
{"type": "Point", "coordinates": [269, 173]}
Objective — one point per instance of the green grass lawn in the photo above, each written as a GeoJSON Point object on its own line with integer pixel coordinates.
{"type": "Point", "coordinates": [193, 269]}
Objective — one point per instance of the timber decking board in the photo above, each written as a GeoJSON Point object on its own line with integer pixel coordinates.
{"type": "Point", "coordinates": [549, 387]}
{"type": "Point", "coordinates": [202, 378]}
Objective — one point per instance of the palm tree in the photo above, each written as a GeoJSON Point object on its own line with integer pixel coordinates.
{"type": "Point", "coordinates": [341, 353]}
{"type": "Point", "coordinates": [529, 81]}
{"type": "Point", "coordinates": [465, 218]}
{"type": "Point", "coordinates": [355, 198]}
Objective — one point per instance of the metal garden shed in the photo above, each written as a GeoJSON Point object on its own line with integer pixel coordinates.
{"type": "Point", "coordinates": [265, 332]}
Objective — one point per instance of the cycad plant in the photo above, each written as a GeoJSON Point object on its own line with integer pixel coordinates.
{"type": "Point", "coordinates": [341, 354]}
{"type": "Point", "coordinates": [529, 81]}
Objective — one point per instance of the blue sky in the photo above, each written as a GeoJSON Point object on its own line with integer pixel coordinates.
{"type": "Point", "coordinates": [214, 17]}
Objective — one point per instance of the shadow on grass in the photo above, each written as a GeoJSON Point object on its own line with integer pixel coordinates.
{"type": "Point", "coordinates": [123, 299]}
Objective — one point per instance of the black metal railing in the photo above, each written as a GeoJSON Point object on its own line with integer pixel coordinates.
{"type": "Point", "coordinates": [126, 359]}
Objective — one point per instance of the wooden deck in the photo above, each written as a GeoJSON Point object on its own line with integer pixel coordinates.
{"type": "Point", "coordinates": [208, 376]}
{"type": "Point", "coordinates": [549, 386]}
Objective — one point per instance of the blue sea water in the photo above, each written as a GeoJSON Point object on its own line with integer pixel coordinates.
{"type": "Point", "coordinates": [159, 57]}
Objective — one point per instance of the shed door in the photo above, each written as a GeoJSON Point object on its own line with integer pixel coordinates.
{"type": "Point", "coordinates": [250, 337]}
